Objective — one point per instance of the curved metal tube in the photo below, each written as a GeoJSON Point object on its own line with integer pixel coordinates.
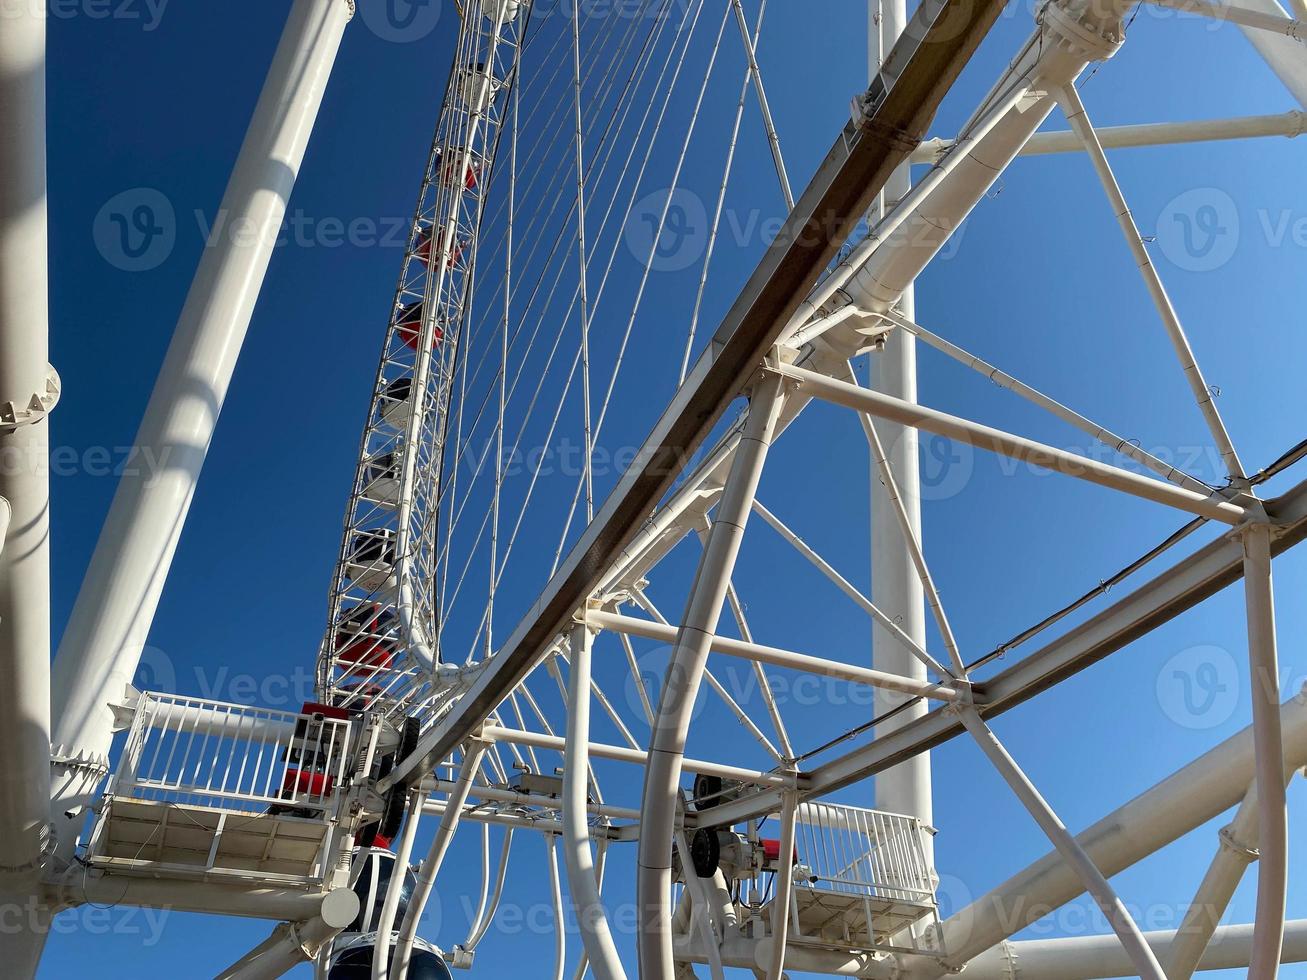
{"type": "Point", "coordinates": [483, 921]}
{"type": "Point", "coordinates": [684, 675]}
{"type": "Point", "coordinates": [473, 752]}
{"type": "Point", "coordinates": [560, 931]}
{"type": "Point", "coordinates": [581, 876]}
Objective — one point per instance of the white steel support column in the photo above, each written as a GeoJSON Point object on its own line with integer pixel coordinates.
{"type": "Point", "coordinates": [582, 879]}
{"type": "Point", "coordinates": [472, 754]}
{"type": "Point", "coordinates": [895, 586]}
{"type": "Point", "coordinates": [1272, 814]}
{"type": "Point", "coordinates": [1123, 924]}
{"type": "Point", "coordinates": [107, 629]}
{"type": "Point", "coordinates": [684, 673]}
{"type": "Point", "coordinates": [25, 396]}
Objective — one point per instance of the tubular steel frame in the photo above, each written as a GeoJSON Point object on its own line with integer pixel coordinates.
{"type": "Point", "coordinates": [825, 319]}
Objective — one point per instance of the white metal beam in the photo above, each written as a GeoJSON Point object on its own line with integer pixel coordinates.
{"type": "Point", "coordinates": [1289, 124]}
{"type": "Point", "coordinates": [1101, 957]}
{"type": "Point", "coordinates": [1272, 812]}
{"type": "Point", "coordinates": [1004, 443]}
{"type": "Point", "coordinates": [777, 657]}
{"type": "Point", "coordinates": [1074, 109]}
{"type": "Point", "coordinates": [27, 391]}
{"type": "Point", "coordinates": [107, 628]}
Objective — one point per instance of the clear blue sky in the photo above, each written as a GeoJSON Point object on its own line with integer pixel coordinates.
{"type": "Point", "coordinates": [1040, 283]}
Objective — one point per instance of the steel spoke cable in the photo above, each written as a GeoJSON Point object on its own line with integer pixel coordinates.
{"type": "Point", "coordinates": [649, 261]}
{"type": "Point", "coordinates": [538, 320]}
{"type": "Point", "coordinates": [721, 203]}
{"type": "Point", "coordinates": [688, 36]}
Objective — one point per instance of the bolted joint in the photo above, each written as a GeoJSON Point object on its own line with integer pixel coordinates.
{"type": "Point", "coordinates": [1083, 27]}
{"type": "Point", "coordinates": [32, 409]}
{"type": "Point", "coordinates": [1231, 843]}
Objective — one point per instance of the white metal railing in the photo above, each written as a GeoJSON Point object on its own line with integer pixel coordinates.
{"type": "Point", "coordinates": [864, 853]}
{"type": "Point", "coordinates": [224, 756]}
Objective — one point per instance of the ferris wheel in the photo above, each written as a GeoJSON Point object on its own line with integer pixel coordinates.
{"type": "Point", "coordinates": [588, 590]}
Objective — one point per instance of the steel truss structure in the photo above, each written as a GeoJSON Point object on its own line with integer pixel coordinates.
{"type": "Point", "coordinates": [429, 713]}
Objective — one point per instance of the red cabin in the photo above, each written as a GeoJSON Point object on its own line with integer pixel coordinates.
{"type": "Point", "coordinates": [447, 170]}
{"type": "Point", "coordinates": [423, 249]}
{"type": "Point", "coordinates": [365, 638]}
{"type": "Point", "coordinates": [408, 322]}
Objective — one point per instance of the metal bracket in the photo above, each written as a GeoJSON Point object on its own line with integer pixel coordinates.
{"type": "Point", "coordinates": [14, 414]}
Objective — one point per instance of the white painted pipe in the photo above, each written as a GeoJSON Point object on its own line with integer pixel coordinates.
{"type": "Point", "coordinates": [683, 677]}
{"type": "Point", "coordinates": [906, 787]}
{"type": "Point", "coordinates": [478, 930]}
{"type": "Point", "coordinates": [1289, 124]}
{"type": "Point", "coordinates": [395, 890]}
{"type": "Point", "coordinates": [80, 886]}
{"type": "Point", "coordinates": [560, 927]}
{"type": "Point", "coordinates": [621, 754]}
{"type": "Point", "coordinates": [1283, 54]}
{"type": "Point", "coordinates": [1091, 876]}
{"type": "Point", "coordinates": [701, 907]}
{"type": "Point", "coordinates": [892, 228]}
{"type": "Point", "coordinates": [293, 943]}
{"type": "Point", "coordinates": [25, 397]}
{"type": "Point", "coordinates": [1272, 809]}
{"type": "Point", "coordinates": [1068, 415]}
{"type": "Point", "coordinates": [1101, 957]}
{"type": "Point", "coordinates": [581, 880]}
{"type": "Point", "coordinates": [1006, 444]}
{"type": "Point", "coordinates": [1078, 119]}
{"type": "Point", "coordinates": [107, 629]}
{"type": "Point", "coordinates": [531, 799]}
{"type": "Point", "coordinates": [1236, 851]}
{"type": "Point", "coordinates": [776, 657]}
{"type": "Point", "coordinates": [473, 751]}
{"type": "Point", "coordinates": [780, 911]}
{"type": "Point", "coordinates": [1237, 13]}
{"type": "Point", "coordinates": [1185, 800]}
{"type": "Point", "coordinates": [1071, 34]}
